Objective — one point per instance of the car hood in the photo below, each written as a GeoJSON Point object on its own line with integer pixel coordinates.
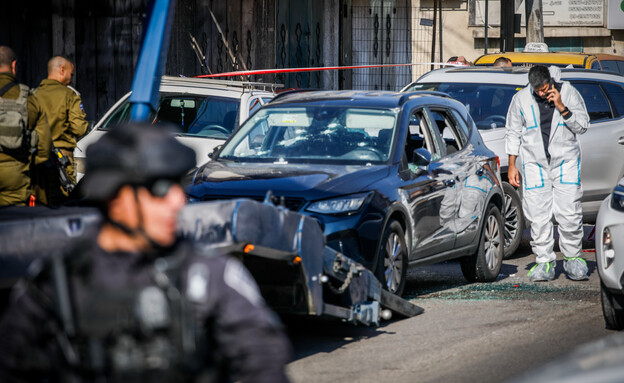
{"type": "Point", "coordinates": [303, 181]}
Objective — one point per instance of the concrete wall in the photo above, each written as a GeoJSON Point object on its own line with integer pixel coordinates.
{"type": "Point", "coordinates": [462, 39]}
{"type": "Point", "coordinates": [617, 42]}
{"type": "Point", "coordinates": [456, 34]}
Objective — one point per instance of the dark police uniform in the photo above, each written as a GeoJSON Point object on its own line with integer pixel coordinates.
{"type": "Point", "coordinates": [141, 317]}
{"type": "Point", "coordinates": [15, 166]}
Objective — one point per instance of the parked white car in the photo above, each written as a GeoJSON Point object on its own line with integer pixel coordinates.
{"type": "Point", "coordinates": [487, 92]}
{"type": "Point", "coordinates": [610, 256]}
{"type": "Point", "coordinates": [206, 110]}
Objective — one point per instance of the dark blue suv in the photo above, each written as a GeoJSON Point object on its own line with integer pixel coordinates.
{"type": "Point", "coordinates": [394, 179]}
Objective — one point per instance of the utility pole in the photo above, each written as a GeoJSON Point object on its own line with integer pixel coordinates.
{"type": "Point", "coordinates": [433, 33]}
{"type": "Point", "coordinates": [507, 27]}
{"type": "Point", "coordinates": [534, 21]}
{"type": "Point", "coordinates": [485, 33]}
{"type": "Point", "coordinates": [440, 28]}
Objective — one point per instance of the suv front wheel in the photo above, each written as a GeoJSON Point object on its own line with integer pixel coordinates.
{"type": "Point", "coordinates": [611, 310]}
{"type": "Point", "coordinates": [392, 259]}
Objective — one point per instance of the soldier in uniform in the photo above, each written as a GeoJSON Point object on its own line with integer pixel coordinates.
{"type": "Point", "coordinates": [15, 163]}
{"type": "Point", "coordinates": [138, 303]}
{"type": "Point", "coordinates": [66, 116]}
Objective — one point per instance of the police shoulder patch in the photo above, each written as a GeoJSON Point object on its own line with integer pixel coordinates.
{"type": "Point", "coordinates": [197, 282]}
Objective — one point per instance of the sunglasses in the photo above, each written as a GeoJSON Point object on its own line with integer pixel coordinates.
{"type": "Point", "coordinates": [160, 187]}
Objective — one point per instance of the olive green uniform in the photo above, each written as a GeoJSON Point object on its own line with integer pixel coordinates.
{"type": "Point", "coordinates": [15, 165]}
{"type": "Point", "coordinates": [68, 123]}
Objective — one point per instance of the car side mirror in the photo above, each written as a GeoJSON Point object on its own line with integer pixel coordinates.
{"type": "Point", "coordinates": [421, 157]}
{"type": "Point", "coordinates": [214, 151]}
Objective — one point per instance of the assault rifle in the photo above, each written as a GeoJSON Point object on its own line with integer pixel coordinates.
{"type": "Point", "coordinates": [61, 162]}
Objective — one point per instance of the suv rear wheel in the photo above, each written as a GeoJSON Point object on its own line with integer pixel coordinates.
{"type": "Point", "coordinates": [392, 259]}
{"type": "Point", "coordinates": [486, 263]}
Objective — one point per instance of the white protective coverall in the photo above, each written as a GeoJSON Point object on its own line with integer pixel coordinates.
{"type": "Point", "coordinates": [555, 187]}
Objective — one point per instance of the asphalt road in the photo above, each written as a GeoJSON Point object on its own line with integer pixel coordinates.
{"type": "Point", "coordinates": [482, 332]}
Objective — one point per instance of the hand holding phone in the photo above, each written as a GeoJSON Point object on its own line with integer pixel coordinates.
{"type": "Point", "coordinates": [554, 96]}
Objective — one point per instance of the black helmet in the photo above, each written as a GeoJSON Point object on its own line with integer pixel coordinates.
{"type": "Point", "coordinates": [133, 154]}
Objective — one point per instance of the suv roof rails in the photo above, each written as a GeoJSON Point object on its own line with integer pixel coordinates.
{"type": "Point", "coordinates": [223, 83]}
{"type": "Point", "coordinates": [423, 93]}
{"type": "Point", "coordinates": [291, 91]}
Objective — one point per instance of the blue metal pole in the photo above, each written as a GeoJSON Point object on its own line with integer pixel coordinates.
{"type": "Point", "coordinates": [151, 63]}
{"type": "Point", "coordinates": [486, 27]}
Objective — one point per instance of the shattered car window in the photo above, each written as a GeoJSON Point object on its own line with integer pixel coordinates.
{"type": "Point", "coordinates": [313, 134]}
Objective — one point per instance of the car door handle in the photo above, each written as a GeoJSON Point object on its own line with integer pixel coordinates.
{"type": "Point", "coordinates": [449, 183]}
{"type": "Point", "coordinates": [621, 140]}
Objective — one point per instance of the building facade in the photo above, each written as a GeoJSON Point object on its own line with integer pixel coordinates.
{"type": "Point", "coordinates": [103, 38]}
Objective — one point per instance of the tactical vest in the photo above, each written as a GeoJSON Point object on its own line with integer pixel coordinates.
{"type": "Point", "coordinates": [133, 333]}
{"type": "Point", "coordinates": [14, 132]}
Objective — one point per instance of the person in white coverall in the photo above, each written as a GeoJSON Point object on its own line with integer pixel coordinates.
{"type": "Point", "coordinates": [543, 122]}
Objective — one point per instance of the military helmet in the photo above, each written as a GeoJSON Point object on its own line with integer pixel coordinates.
{"type": "Point", "coordinates": [134, 154]}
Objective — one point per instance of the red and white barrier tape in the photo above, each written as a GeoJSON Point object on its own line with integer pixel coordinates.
{"type": "Point", "coordinates": [313, 69]}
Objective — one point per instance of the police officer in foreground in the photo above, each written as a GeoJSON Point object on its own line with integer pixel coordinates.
{"type": "Point", "coordinates": [137, 303]}
{"type": "Point", "coordinates": [24, 133]}
{"type": "Point", "coordinates": [67, 119]}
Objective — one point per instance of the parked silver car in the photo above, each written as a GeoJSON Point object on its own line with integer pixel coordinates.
{"type": "Point", "coordinates": [487, 92]}
{"type": "Point", "coordinates": [206, 110]}
{"type": "Point", "coordinates": [610, 256]}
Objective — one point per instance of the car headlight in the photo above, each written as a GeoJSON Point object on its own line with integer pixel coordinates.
{"type": "Point", "coordinates": [607, 248]}
{"type": "Point", "coordinates": [617, 198]}
{"type": "Point", "coordinates": [340, 205]}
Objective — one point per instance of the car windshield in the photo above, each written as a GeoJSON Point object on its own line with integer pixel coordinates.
{"type": "Point", "coordinates": [314, 134]}
{"type": "Point", "coordinates": [487, 103]}
{"type": "Point", "coordinates": [199, 116]}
